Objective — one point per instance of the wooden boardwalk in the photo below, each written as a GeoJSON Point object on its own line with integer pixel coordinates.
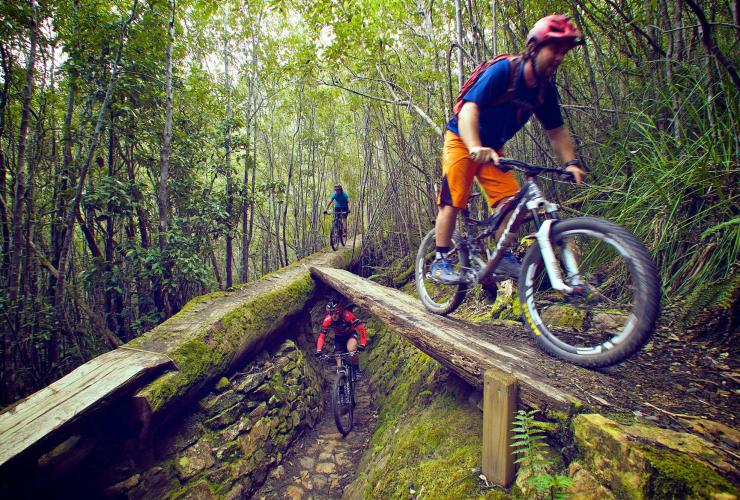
{"type": "Point", "coordinates": [88, 388]}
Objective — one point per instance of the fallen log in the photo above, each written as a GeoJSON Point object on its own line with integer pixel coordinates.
{"type": "Point", "coordinates": [446, 340]}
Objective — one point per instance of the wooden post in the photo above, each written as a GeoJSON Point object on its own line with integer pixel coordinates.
{"type": "Point", "coordinates": [499, 406]}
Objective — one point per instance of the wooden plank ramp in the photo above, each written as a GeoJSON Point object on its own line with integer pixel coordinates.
{"type": "Point", "coordinates": [446, 340]}
{"type": "Point", "coordinates": [89, 387]}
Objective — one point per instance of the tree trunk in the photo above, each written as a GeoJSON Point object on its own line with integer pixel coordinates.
{"type": "Point", "coordinates": [4, 230]}
{"type": "Point", "coordinates": [227, 147]}
{"type": "Point", "coordinates": [17, 216]}
{"type": "Point", "coordinates": [458, 25]}
{"type": "Point", "coordinates": [54, 352]}
{"type": "Point", "coordinates": [166, 135]}
{"type": "Point", "coordinates": [286, 260]}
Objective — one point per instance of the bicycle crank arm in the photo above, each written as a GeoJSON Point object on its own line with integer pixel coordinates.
{"type": "Point", "coordinates": [548, 257]}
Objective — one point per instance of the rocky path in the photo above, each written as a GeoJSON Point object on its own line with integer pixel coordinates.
{"type": "Point", "coordinates": [322, 462]}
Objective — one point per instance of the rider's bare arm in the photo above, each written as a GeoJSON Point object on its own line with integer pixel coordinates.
{"type": "Point", "coordinates": [564, 145]}
{"type": "Point", "coordinates": [468, 122]}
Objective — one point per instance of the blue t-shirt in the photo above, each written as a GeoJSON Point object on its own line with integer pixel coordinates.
{"type": "Point", "coordinates": [341, 200]}
{"type": "Point", "coordinates": [499, 123]}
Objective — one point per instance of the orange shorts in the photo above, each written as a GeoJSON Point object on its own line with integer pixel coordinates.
{"type": "Point", "coordinates": [458, 171]}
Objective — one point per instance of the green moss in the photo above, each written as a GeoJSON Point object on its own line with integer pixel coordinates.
{"type": "Point", "coordinates": [426, 440]}
{"type": "Point", "coordinates": [564, 316]}
{"type": "Point", "coordinates": [223, 384]}
{"type": "Point", "coordinates": [623, 418]}
{"type": "Point", "coordinates": [679, 476]}
{"type": "Point", "coordinates": [404, 277]}
{"type": "Point", "coordinates": [201, 299]}
{"type": "Point", "coordinates": [209, 352]}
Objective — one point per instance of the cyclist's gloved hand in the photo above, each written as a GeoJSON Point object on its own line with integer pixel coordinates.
{"type": "Point", "coordinates": [361, 347]}
{"type": "Point", "coordinates": [319, 354]}
{"type": "Point", "coordinates": [326, 212]}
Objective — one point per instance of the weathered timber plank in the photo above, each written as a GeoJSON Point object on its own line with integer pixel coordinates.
{"type": "Point", "coordinates": [499, 406]}
{"type": "Point", "coordinates": [80, 392]}
{"type": "Point", "coordinates": [445, 340]}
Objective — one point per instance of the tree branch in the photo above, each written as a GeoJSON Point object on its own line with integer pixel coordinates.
{"type": "Point", "coordinates": [708, 41]}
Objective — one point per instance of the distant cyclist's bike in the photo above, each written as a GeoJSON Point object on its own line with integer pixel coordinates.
{"type": "Point", "coordinates": [588, 289]}
{"type": "Point", "coordinates": [343, 391]}
{"type": "Point", "coordinates": [336, 235]}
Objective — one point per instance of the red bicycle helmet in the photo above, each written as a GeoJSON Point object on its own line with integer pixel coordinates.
{"type": "Point", "coordinates": [551, 28]}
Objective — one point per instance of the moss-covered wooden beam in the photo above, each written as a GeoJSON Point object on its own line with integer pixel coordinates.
{"type": "Point", "coordinates": [448, 341]}
{"type": "Point", "coordinates": [212, 332]}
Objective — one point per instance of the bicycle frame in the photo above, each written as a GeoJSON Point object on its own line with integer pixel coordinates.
{"type": "Point", "coordinates": [529, 200]}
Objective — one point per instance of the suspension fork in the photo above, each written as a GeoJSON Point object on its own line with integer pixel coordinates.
{"type": "Point", "coordinates": [552, 265]}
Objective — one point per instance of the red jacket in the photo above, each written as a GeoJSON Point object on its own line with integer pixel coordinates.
{"type": "Point", "coordinates": [343, 327]}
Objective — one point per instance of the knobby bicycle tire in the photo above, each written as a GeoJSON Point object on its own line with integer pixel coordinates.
{"type": "Point", "coordinates": [334, 236]}
{"type": "Point", "coordinates": [644, 289]}
{"type": "Point", "coordinates": [423, 285]}
{"type": "Point", "coordinates": [343, 411]}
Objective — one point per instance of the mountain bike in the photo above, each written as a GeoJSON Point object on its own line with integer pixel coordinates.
{"type": "Point", "coordinates": [343, 391]}
{"type": "Point", "coordinates": [336, 235]}
{"type": "Point", "coordinates": [588, 289]}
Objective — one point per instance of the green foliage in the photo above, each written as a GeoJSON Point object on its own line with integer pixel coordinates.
{"type": "Point", "coordinates": [529, 446]}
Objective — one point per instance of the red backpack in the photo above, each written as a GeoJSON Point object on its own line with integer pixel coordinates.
{"type": "Point", "coordinates": [515, 62]}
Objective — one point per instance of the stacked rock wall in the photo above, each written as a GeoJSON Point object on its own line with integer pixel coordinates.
{"type": "Point", "coordinates": [222, 446]}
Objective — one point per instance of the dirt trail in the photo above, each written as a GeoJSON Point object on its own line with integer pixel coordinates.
{"type": "Point", "coordinates": [322, 462]}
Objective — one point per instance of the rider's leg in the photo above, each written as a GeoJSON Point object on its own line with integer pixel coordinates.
{"type": "Point", "coordinates": [458, 171]}
{"type": "Point", "coordinates": [355, 360]}
{"type": "Point", "coordinates": [498, 186]}
{"type": "Point", "coordinates": [445, 225]}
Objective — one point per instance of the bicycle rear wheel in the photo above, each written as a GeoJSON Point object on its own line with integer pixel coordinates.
{"type": "Point", "coordinates": [342, 403]}
{"type": "Point", "coordinates": [619, 303]}
{"type": "Point", "coordinates": [436, 296]}
{"type": "Point", "coordinates": [342, 229]}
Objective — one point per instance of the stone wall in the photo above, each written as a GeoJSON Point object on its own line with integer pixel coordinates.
{"type": "Point", "coordinates": [221, 446]}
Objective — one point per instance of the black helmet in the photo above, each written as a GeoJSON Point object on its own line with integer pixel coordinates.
{"type": "Point", "coordinates": [338, 187]}
{"type": "Point", "coordinates": [333, 306]}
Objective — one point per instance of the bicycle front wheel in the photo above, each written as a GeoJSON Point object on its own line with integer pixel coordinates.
{"type": "Point", "coordinates": [436, 296]}
{"type": "Point", "coordinates": [342, 403]}
{"type": "Point", "coordinates": [618, 303]}
{"type": "Point", "coordinates": [334, 236]}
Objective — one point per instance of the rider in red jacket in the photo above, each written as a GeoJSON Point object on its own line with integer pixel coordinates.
{"type": "Point", "coordinates": [346, 328]}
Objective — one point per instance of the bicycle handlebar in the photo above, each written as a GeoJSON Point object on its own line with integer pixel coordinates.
{"type": "Point", "coordinates": [335, 355]}
{"type": "Point", "coordinates": [530, 169]}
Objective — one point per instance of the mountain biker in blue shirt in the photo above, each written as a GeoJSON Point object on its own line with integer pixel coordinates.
{"type": "Point", "coordinates": [341, 206]}
{"type": "Point", "coordinates": [490, 115]}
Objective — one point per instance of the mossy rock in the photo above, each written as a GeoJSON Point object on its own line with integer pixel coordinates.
{"type": "Point", "coordinates": [641, 461]}
{"type": "Point", "coordinates": [564, 316]}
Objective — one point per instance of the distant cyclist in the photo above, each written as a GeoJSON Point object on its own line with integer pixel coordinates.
{"type": "Point", "coordinates": [341, 206]}
{"type": "Point", "coordinates": [348, 330]}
